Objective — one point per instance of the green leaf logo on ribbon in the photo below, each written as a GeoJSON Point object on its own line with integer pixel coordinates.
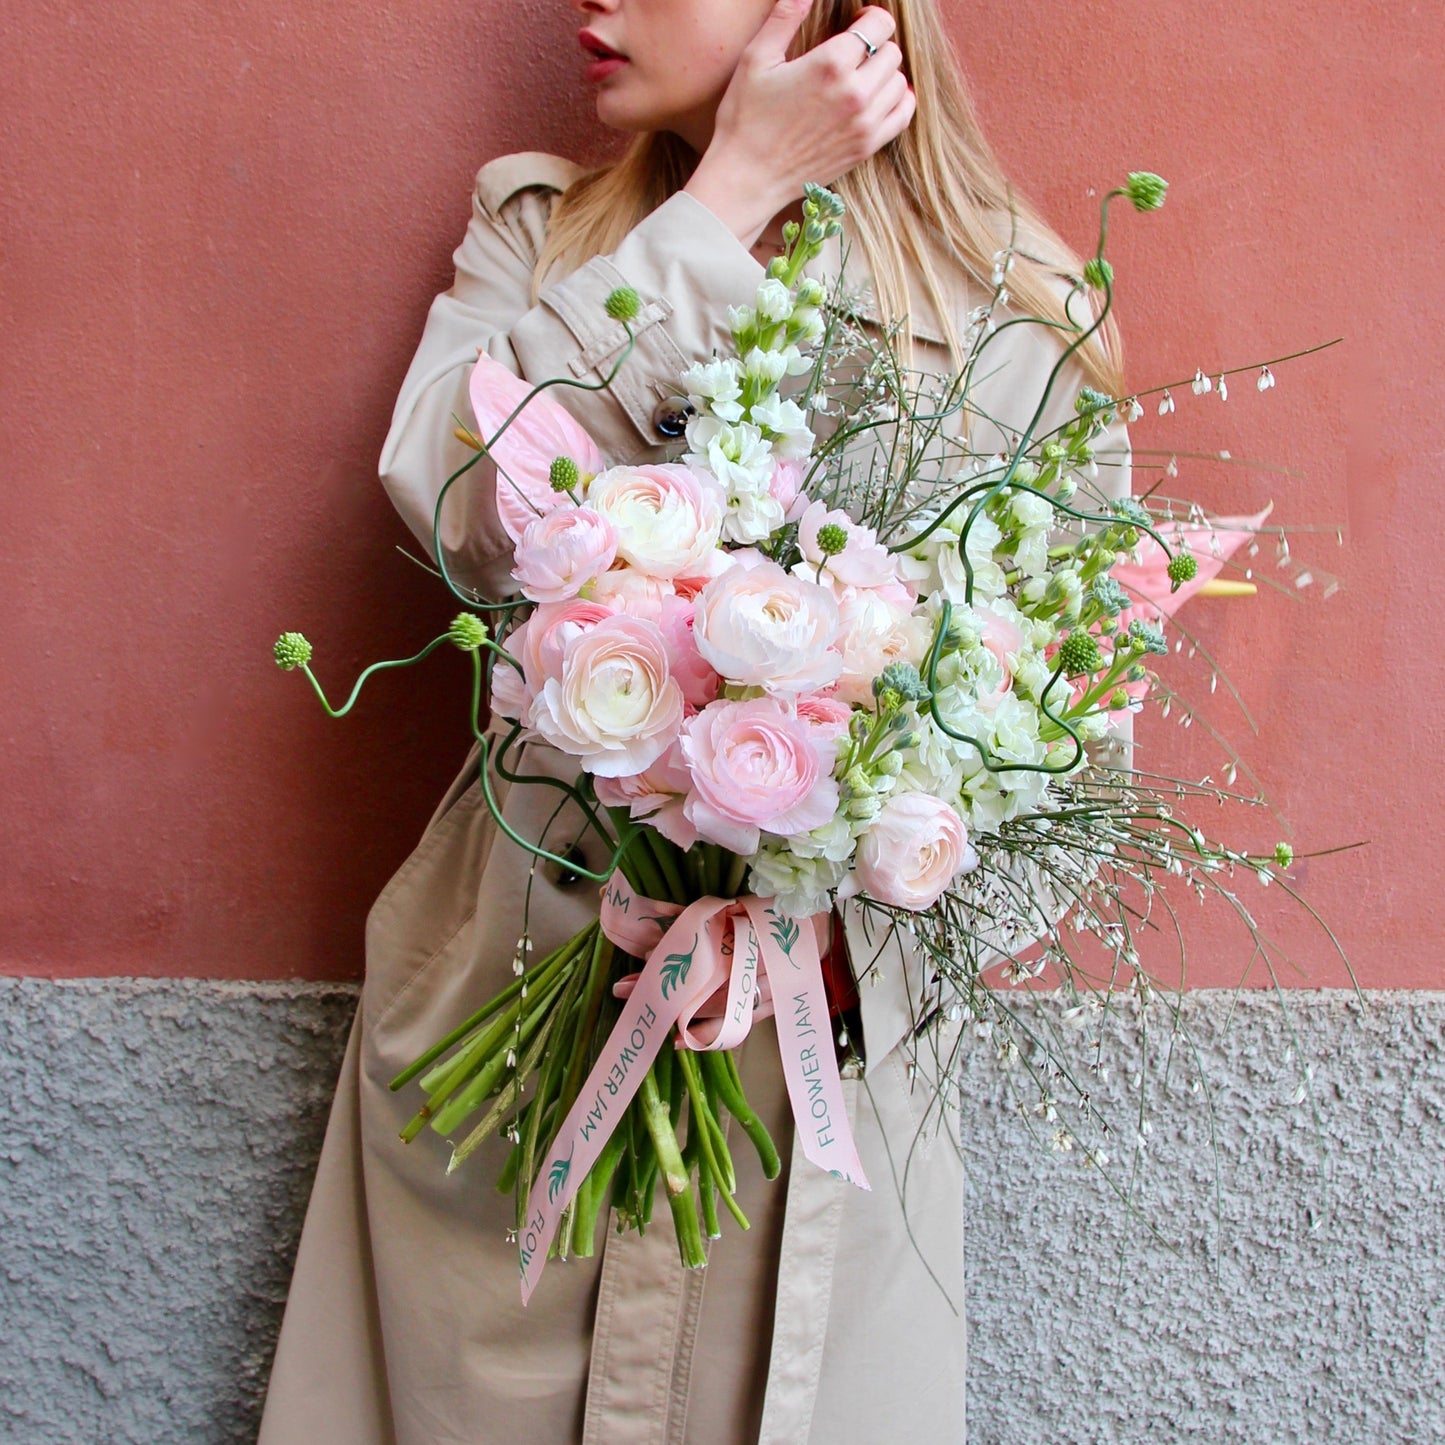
{"type": "Point", "coordinates": [785, 932]}
{"type": "Point", "coordinates": [557, 1177]}
{"type": "Point", "coordinates": [676, 968]}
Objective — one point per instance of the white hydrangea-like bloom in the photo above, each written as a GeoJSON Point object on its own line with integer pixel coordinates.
{"type": "Point", "coordinates": [800, 887]}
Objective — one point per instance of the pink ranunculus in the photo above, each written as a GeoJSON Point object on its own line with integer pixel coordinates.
{"type": "Point", "coordinates": [786, 489]}
{"type": "Point", "coordinates": [541, 432]}
{"type": "Point", "coordinates": [656, 794]}
{"type": "Point", "coordinates": [540, 643]}
{"type": "Point", "coordinates": [864, 562]}
{"type": "Point", "coordinates": [827, 715]}
{"type": "Point", "coordinates": [510, 696]}
{"type": "Point", "coordinates": [756, 768]}
{"type": "Point", "coordinates": [873, 633]}
{"type": "Point", "coordinates": [668, 517]}
{"type": "Point", "coordinates": [615, 707]}
{"type": "Point", "coordinates": [625, 589]}
{"type": "Point", "coordinates": [760, 627]}
{"type": "Point", "coordinates": [912, 851]}
{"type": "Point", "coordinates": [699, 682]}
{"type": "Point", "coordinates": [561, 552]}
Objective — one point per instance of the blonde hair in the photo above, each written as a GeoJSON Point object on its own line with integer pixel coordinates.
{"type": "Point", "coordinates": [932, 202]}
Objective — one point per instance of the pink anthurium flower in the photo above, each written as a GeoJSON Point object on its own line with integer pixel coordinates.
{"type": "Point", "coordinates": [1212, 544]}
{"type": "Point", "coordinates": [543, 431]}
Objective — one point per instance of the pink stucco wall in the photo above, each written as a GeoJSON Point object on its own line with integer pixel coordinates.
{"type": "Point", "coordinates": [222, 228]}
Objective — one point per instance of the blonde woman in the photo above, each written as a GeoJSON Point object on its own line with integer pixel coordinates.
{"type": "Point", "coordinates": [839, 1317]}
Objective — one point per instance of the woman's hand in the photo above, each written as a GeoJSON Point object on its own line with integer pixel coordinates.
{"type": "Point", "coordinates": [781, 123]}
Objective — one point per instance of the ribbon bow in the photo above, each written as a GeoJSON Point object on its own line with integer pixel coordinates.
{"type": "Point", "coordinates": [740, 945]}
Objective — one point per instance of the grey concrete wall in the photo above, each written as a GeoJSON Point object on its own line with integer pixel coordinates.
{"type": "Point", "coordinates": [158, 1140]}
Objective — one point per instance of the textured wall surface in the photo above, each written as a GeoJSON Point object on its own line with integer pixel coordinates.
{"type": "Point", "coordinates": [160, 1137]}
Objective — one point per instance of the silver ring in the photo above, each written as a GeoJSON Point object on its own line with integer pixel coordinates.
{"type": "Point", "coordinates": [868, 45]}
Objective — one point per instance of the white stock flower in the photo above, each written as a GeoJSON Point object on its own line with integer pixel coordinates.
{"type": "Point", "coordinates": [1034, 516]}
{"type": "Point", "coordinates": [768, 367]}
{"type": "Point", "coordinates": [988, 577]}
{"type": "Point", "coordinates": [740, 456]}
{"type": "Point", "coordinates": [713, 386]}
{"type": "Point", "coordinates": [752, 517]}
{"type": "Point", "coordinates": [788, 424]}
{"type": "Point", "coordinates": [795, 363]}
{"type": "Point", "coordinates": [774, 301]}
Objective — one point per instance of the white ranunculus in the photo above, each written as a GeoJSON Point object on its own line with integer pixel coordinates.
{"type": "Point", "coordinates": [758, 626]}
{"type": "Point", "coordinates": [667, 518]}
{"type": "Point", "coordinates": [873, 633]}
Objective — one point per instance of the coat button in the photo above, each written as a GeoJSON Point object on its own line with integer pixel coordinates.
{"type": "Point", "coordinates": [670, 416]}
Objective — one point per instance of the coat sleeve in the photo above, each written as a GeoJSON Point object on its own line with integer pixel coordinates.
{"type": "Point", "coordinates": [896, 984]}
{"type": "Point", "coordinates": [686, 267]}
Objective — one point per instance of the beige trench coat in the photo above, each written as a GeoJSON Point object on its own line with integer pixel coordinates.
{"type": "Point", "coordinates": [840, 1316]}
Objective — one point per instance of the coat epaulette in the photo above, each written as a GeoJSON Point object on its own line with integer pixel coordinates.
{"type": "Point", "coordinates": [501, 179]}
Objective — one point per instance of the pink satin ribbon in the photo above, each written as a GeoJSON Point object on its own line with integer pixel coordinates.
{"type": "Point", "coordinates": [708, 965]}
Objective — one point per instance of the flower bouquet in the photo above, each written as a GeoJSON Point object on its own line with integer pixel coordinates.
{"type": "Point", "coordinates": [789, 687]}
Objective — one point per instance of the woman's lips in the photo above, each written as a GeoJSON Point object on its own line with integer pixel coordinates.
{"type": "Point", "coordinates": [600, 69]}
{"type": "Point", "coordinates": [605, 60]}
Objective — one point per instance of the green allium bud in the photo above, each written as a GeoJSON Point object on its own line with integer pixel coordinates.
{"type": "Point", "coordinates": [1146, 190]}
{"type": "Point", "coordinates": [563, 474]}
{"type": "Point", "coordinates": [467, 631]}
{"type": "Point", "coordinates": [623, 304]}
{"type": "Point", "coordinates": [1098, 273]}
{"type": "Point", "coordinates": [1283, 854]}
{"type": "Point", "coordinates": [1182, 568]}
{"type": "Point", "coordinates": [832, 539]}
{"type": "Point", "coordinates": [1079, 653]}
{"type": "Point", "coordinates": [292, 651]}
